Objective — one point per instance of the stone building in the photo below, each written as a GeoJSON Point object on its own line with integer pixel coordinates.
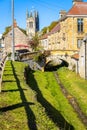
{"type": "Point", "coordinates": [19, 37]}
{"type": "Point", "coordinates": [54, 39]}
{"type": "Point", "coordinates": [44, 42]}
{"type": "Point", "coordinates": [69, 32]}
{"type": "Point", "coordinates": [32, 23]}
{"type": "Point", "coordinates": [22, 36]}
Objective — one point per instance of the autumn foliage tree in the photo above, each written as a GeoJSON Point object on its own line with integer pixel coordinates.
{"type": "Point", "coordinates": [34, 42]}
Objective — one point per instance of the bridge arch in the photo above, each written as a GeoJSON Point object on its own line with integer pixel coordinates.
{"type": "Point", "coordinates": [51, 67]}
{"type": "Point", "coordinates": [65, 63]}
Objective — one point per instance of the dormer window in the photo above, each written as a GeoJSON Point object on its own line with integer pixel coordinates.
{"type": "Point", "coordinates": [80, 25]}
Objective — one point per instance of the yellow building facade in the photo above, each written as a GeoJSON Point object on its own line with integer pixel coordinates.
{"type": "Point", "coordinates": [68, 34]}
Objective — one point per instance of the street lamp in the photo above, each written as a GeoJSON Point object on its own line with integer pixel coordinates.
{"type": "Point", "coordinates": [13, 50]}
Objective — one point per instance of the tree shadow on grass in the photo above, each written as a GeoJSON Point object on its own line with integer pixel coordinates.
{"type": "Point", "coordinates": [8, 74]}
{"type": "Point", "coordinates": [15, 106]}
{"type": "Point", "coordinates": [29, 113]}
{"type": "Point", "coordinates": [8, 81]}
{"type": "Point", "coordinates": [13, 90]}
{"type": "Point", "coordinates": [54, 114]}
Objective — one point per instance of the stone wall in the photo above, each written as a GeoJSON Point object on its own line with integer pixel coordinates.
{"type": "Point", "coordinates": [19, 38]}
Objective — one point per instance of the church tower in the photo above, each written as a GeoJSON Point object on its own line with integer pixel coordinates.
{"type": "Point", "coordinates": [32, 23]}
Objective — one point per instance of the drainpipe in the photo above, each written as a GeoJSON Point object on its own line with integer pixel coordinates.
{"type": "Point", "coordinates": [85, 45]}
{"type": "Point", "coordinates": [85, 62]}
{"type": "Point", "coordinates": [77, 70]}
{"type": "Point", "coordinates": [73, 32]}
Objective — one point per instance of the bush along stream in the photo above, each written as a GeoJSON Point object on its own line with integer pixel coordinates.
{"type": "Point", "coordinates": [50, 96]}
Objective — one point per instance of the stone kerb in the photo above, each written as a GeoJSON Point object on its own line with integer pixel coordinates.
{"type": "Point", "coordinates": [2, 65]}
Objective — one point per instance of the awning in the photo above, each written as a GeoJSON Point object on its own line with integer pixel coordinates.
{"type": "Point", "coordinates": [21, 45]}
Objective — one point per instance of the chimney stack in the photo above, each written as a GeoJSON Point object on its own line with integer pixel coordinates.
{"type": "Point", "coordinates": [75, 1]}
{"type": "Point", "coordinates": [15, 24]}
{"type": "Point", "coordinates": [62, 13]}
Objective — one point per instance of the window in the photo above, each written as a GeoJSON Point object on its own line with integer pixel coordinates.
{"type": "Point", "coordinates": [80, 25]}
{"type": "Point", "coordinates": [10, 34]}
{"type": "Point", "coordinates": [79, 43]}
{"type": "Point", "coordinates": [30, 24]}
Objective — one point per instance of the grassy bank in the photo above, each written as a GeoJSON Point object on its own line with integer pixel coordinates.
{"type": "Point", "coordinates": [48, 87]}
{"type": "Point", "coordinates": [19, 108]}
{"type": "Point", "coordinates": [76, 86]}
{"type": "Point", "coordinates": [37, 105]}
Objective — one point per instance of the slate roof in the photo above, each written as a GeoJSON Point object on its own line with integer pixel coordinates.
{"type": "Point", "coordinates": [55, 29]}
{"type": "Point", "coordinates": [44, 36]}
{"type": "Point", "coordinates": [79, 8]}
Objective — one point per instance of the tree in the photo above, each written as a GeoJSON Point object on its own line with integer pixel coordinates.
{"type": "Point", "coordinates": [34, 42]}
{"type": "Point", "coordinates": [44, 30]}
{"type": "Point", "coordinates": [50, 27]}
{"type": "Point", "coordinates": [7, 29]}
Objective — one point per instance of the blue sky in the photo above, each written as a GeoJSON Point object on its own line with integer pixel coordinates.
{"type": "Point", "coordinates": [48, 11]}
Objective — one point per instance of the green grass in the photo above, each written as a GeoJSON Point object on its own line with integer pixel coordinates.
{"type": "Point", "coordinates": [76, 86]}
{"type": "Point", "coordinates": [38, 105]}
{"type": "Point", "coordinates": [19, 108]}
{"type": "Point", "coordinates": [52, 93]}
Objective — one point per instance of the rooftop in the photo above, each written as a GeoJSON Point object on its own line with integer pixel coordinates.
{"type": "Point", "coordinates": [56, 28]}
{"type": "Point", "coordinates": [79, 8]}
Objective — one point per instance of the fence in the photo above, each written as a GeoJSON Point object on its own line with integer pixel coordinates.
{"type": "Point", "coordinates": [2, 64]}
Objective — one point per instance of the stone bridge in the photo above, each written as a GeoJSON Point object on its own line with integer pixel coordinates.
{"type": "Point", "coordinates": [58, 58]}
{"type": "Point", "coordinates": [27, 56]}
{"type": "Point", "coordinates": [63, 55]}
{"type": "Point", "coordinates": [53, 61]}
{"type": "Point", "coordinates": [55, 56]}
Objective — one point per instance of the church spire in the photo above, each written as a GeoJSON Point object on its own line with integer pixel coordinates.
{"type": "Point", "coordinates": [27, 14]}
{"type": "Point", "coordinates": [35, 13]}
{"type": "Point", "coordinates": [31, 15]}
